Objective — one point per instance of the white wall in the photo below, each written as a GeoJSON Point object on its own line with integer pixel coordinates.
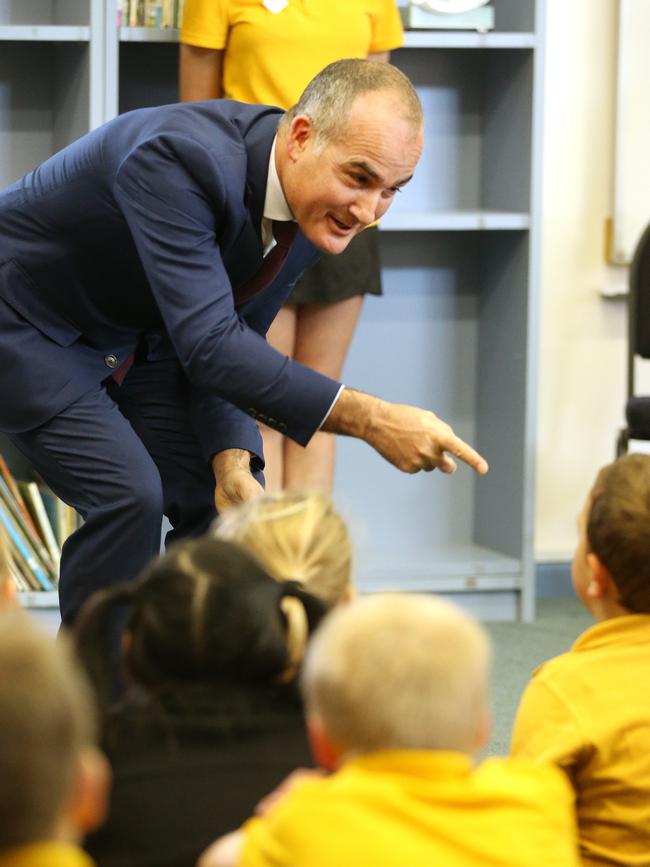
{"type": "Point", "coordinates": [583, 336]}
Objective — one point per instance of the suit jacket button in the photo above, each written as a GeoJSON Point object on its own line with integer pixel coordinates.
{"type": "Point", "coordinates": [110, 361]}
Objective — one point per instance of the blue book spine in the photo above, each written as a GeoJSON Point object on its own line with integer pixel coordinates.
{"type": "Point", "coordinates": [18, 541]}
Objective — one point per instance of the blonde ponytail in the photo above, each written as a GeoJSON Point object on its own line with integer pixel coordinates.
{"type": "Point", "coordinates": [297, 635]}
{"type": "Point", "coordinates": [295, 536]}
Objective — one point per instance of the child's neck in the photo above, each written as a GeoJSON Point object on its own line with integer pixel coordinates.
{"type": "Point", "coordinates": [607, 609]}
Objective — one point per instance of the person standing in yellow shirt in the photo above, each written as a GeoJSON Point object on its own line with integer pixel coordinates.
{"type": "Point", "coordinates": [588, 711]}
{"type": "Point", "coordinates": [396, 697]}
{"type": "Point", "coordinates": [266, 51]}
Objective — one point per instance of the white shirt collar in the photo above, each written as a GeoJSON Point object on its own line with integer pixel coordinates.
{"type": "Point", "coordinates": [275, 204]}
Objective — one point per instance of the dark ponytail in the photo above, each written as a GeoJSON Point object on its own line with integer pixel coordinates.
{"type": "Point", "coordinates": [203, 617]}
{"type": "Point", "coordinates": [97, 638]}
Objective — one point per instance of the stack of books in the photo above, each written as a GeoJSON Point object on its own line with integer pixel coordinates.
{"type": "Point", "coordinates": [150, 13]}
{"type": "Point", "coordinates": [36, 524]}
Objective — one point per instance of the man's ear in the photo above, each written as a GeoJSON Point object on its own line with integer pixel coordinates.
{"type": "Point", "coordinates": [301, 134]}
{"type": "Point", "coordinates": [326, 753]}
{"type": "Point", "coordinates": [601, 584]}
{"type": "Point", "coordinates": [87, 805]}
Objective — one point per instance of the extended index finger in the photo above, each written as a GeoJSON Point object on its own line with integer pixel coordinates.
{"type": "Point", "coordinates": [464, 452]}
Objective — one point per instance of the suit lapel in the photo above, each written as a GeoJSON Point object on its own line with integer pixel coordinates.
{"type": "Point", "coordinates": [244, 259]}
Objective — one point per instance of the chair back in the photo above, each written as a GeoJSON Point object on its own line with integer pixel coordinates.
{"type": "Point", "coordinates": [639, 297]}
{"type": "Point", "coordinates": [638, 307]}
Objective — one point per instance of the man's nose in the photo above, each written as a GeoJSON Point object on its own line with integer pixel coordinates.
{"type": "Point", "coordinates": [366, 206]}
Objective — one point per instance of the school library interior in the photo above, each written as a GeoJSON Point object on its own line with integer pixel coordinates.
{"type": "Point", "coordinates": [324, 464]}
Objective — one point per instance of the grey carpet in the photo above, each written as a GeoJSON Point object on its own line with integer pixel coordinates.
{"type": "Point", "coordinates": [519, 648]}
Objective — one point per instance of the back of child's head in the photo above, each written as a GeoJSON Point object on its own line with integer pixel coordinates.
{"type": "Point", "coordinates": [398, 671]}
{"type": "Point", "coordinates": [618, 528]}
{"type": "Point", "coordinates": [295, 536]}
{"type": "Point", "coordinates": [46, 720]}
{"type": "Point", "coordinates": [204, 613]}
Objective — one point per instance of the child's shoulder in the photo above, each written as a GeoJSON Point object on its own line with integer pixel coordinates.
{"type": "Point", "coordinates": [524, 778]}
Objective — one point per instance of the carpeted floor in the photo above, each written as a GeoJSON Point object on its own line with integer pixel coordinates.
{"type": "Point", "coordinates": [519, 648]}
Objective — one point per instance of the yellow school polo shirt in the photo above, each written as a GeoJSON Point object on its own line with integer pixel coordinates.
{"type": "Point", "coordinates": [588, 711]}
{"type": "Point", "coordinates": [45, 855]}
{"type": "Point", "coordinates": [420, 809]}
{"type": "Point", "coordinates": [270, 57]}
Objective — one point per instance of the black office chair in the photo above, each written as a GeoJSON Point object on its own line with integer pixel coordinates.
{"type": "Point", "coordinates": [637, 408]}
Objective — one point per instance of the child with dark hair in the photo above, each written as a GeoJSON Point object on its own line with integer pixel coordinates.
{"type": "Point", "coordinates": [588, 711]}
{"type": "Point", "coordinates": [211, 720]}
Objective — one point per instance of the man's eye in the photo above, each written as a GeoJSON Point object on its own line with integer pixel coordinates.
{"type": "Point", "coordinates": [359, 179]}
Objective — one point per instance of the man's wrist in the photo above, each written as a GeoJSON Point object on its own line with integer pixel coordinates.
{"type": "Point", "coordinates": [353, 414]}
{"type": "Point", "coordinates": [230, 459]}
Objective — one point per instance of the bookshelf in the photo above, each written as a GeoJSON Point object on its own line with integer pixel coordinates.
{"type": "Point", "coordinates": [456, 330]}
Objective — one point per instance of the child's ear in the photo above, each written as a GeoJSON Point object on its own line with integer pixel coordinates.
{"type": "Point", "coordinates": [484, 729]}
{"type": "Point", "coordinates": [87, 806]}
{"type": "Point", "coordinates": [324, 750]}
{"type": "Point", "coordinates": [601, 584]}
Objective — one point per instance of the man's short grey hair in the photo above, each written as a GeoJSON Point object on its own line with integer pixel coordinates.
{"type": "Point", "coordinates": [399, 671]}
{"type": "Point", "coordinates": [328, 97]}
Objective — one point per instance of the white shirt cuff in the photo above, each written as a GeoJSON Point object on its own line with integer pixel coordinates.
{"type": "Point", "coordinates": [325, 417]}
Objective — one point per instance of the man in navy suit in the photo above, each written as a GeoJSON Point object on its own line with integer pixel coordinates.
{"type": "Point", "coordinates": [132, 316]}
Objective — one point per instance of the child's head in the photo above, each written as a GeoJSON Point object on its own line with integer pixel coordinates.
{"type": "Point", "coordinates": [203, 614]}
{"type": "Point", "coordinates": [298, 537]}
{"type": "Point", "coordinates": [53, 782]}
{"type": "Point", "coordinates": [396, 671]}
{"type": "Point", "coordinates": [611, 568]}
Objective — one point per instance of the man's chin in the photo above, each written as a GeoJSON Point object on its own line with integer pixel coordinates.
{"type": "Point", "coordinates": [327, 242]}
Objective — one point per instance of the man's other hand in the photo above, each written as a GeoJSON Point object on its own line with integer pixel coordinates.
{"type": "Point", "coordinates": [235, 483]}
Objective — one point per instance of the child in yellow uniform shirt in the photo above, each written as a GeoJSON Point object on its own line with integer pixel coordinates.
{"type": "Point", "coordinates": [395, 688]}
{"type": "Point", "coordinates": [588, 711]}
{"type": "Point", "coordinates": [53, 782]}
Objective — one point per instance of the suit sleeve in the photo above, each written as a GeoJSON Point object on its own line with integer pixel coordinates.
{"type": "Point", "coordinates": [178, 201]}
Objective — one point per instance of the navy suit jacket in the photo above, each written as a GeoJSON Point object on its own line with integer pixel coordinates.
{"type": "Point", "coordinates": [134, 236]}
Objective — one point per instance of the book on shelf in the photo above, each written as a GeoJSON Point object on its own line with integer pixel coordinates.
{"type": "Point", "coordinates": [23, 555]}
{"type": "Point", "coordinates": [31, 536]}
{"type": "Point", "coordinates": [36, 506]}
{"type": "Point", "coordinates": [150, 13]}
{"type": "Point", "coordinates": [10, 481]}
{"type": "Point", "coordinates": [36, 523]}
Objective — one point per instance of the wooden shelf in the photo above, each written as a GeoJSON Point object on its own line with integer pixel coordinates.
{"type": "Point", "coordinates": [44, 599]}
{"type": "Point", "coordinates": [148, 34]}
{"type": "Point", "coordinates": [43, 33]}
{"type": "Point", "coordinates": [453, 221]}
{"type": "Point", "coordinates": [467, 39]}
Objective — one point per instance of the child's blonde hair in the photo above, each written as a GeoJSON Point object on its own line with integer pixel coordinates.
{"type": "Point", "coordinates": [399, 671]}
{"type": "Point", "coordinates": [46, 720]}
{"type": "Point", "coordinates": [295, 537]}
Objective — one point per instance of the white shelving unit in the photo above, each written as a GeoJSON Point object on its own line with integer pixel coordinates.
{"type": "Point", "coordinates": [456, 330]}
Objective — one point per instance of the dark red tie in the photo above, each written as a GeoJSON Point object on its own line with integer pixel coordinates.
{"type": "Point", "coordinates": [284, 231]}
